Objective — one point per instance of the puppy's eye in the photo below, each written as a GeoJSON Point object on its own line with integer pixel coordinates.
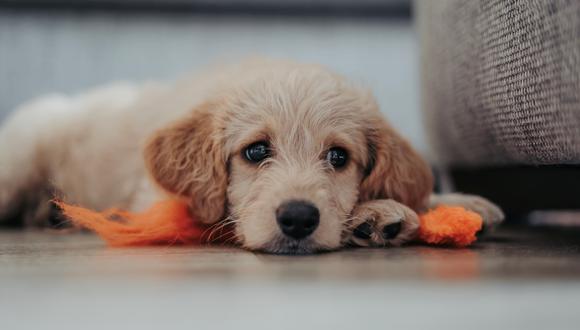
{"type": "Point", "coordinates": [337, 157]}
{"type": "Point", "coordinates": [257, 152]}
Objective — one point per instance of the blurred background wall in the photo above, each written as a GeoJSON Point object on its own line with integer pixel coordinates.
{"type": "Point", "coordinates": [67, 46]}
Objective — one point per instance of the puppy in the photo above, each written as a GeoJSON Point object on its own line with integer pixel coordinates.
{"type": "Point", "coordinates": [293, 156]}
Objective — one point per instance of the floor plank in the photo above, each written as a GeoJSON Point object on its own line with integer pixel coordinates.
{"type": "Point", "coordinates": [519, 279]}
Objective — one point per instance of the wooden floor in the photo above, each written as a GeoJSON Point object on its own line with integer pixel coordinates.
{"type": "Point", "coordinates": [517, 280]}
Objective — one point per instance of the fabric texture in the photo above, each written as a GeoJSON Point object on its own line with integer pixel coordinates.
{"type": "Point", "coordinates": [501, 80]}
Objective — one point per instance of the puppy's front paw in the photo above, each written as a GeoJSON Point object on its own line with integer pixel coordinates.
{"type": "Point", "coordinates": [383, 222]}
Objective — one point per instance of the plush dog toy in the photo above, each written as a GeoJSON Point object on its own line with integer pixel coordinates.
{"type": "Point", "coordinates": [169, 222]}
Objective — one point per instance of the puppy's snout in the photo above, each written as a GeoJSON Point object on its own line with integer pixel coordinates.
{"type": "Point", "coordinates": [297, 219]}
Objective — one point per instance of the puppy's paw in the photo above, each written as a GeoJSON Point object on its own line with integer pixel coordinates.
{"type": "Point", "coordinates": [491, 214]}
{"type": "Point", "coordinates": [383, 222]}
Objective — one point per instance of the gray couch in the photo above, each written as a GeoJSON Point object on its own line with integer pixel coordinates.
{"type": "Point", "coordinates": [501, 97]}
{"type": "Point", "coordinates": [502, 80]}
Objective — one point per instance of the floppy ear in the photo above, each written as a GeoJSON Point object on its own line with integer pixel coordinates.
{"type": "Point", "coordinates": [186, 159]}
{"type": "Point", "coordinates": [395, 170]}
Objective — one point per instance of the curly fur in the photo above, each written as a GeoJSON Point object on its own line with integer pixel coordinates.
{"type": "Point", "coordinates": [128, 146]}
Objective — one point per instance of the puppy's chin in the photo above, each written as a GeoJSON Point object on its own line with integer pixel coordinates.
{"type": "Point", "coordinates": [284, 245]}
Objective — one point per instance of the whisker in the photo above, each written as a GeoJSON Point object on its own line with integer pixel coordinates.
{"type": "Point", "coordinates": [211, 237]}
{"type": "Point", "coordinates": [218, 227]}
{"type": "Point", "coordinates": [223, 235]}
{"type": "Point", "coordinates": [232, 240]}
{"type": "Point", "coordinates": [210, 228]}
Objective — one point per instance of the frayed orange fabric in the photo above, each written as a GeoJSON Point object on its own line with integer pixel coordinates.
{"type": "Point", "coordinates": [166, 222]}
{"type": "Point", "coordinates": [449, 225]}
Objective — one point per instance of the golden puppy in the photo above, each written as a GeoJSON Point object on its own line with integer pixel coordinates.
{"type": "Point", "coordinates": [292, 154]}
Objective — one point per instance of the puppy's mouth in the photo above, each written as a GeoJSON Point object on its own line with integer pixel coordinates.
{"type": "Point", "coordinates": [288, 246]}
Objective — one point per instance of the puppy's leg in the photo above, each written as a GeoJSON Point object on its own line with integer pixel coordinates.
{"type": "Point", "coordinates": [492, 215]}
{"type": "Point", "coordinates": [24, 138]}
{"type": "Point", "coordinates": [383, 222]}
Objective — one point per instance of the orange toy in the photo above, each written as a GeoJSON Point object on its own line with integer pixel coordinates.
{"type": "Point", "coordinates": [169, 222]}
{"type": "Point", "coordinates": [166, 222]}
{"type": "Point", "coordinates": [449, 225]}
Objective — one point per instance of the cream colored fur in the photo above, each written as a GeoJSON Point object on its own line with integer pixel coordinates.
{"type": "Point", "coordinates": [129, 145]}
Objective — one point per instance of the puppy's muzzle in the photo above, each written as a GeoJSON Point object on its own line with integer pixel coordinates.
{"type": "Point", "coordinates": [297, 219]}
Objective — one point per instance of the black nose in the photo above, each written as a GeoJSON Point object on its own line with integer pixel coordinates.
{"type": "Point", "coordinates": [297, 219]}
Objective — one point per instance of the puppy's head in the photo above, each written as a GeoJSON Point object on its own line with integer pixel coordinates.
{"type": "Point", "coordinates": [286, 157]}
